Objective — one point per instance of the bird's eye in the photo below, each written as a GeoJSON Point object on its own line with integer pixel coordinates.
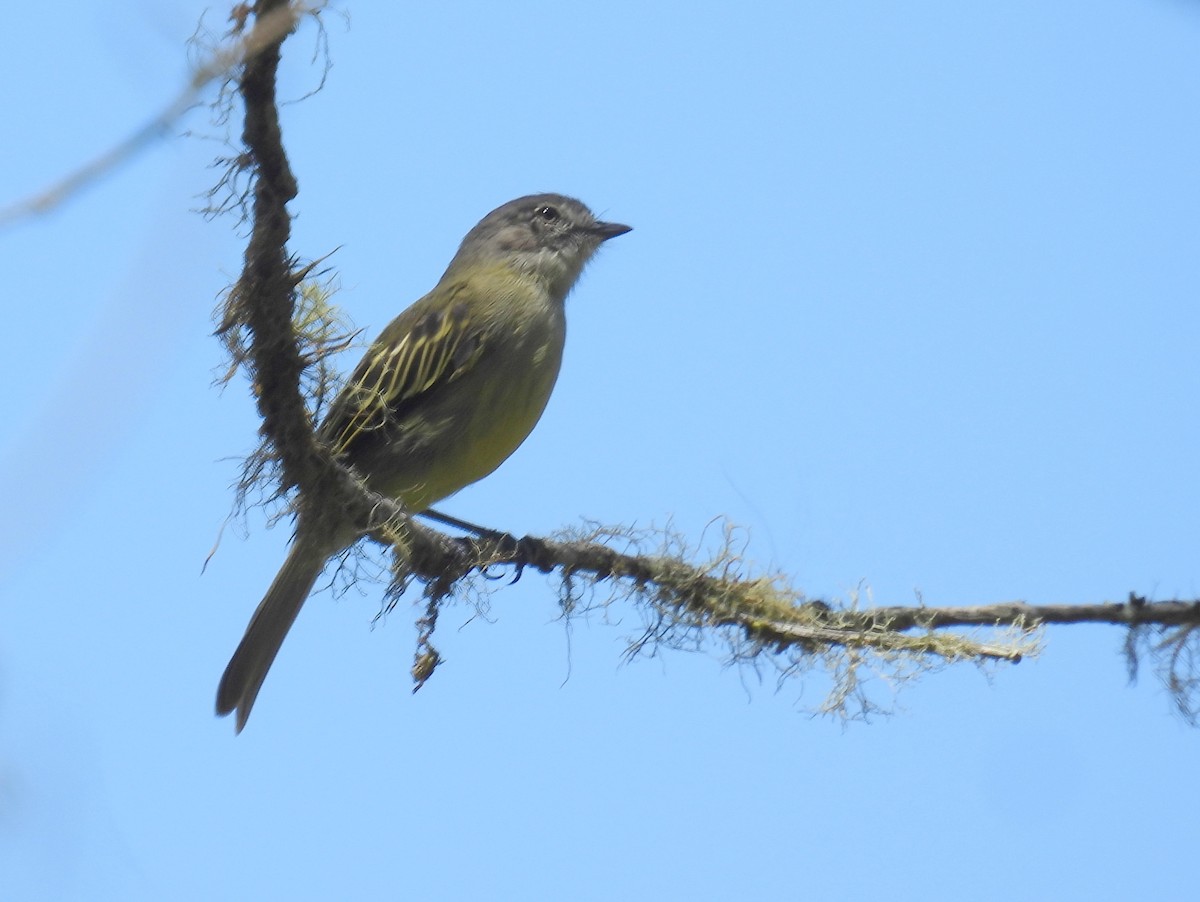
{"type": "Point", "coordinates": [547, 213]}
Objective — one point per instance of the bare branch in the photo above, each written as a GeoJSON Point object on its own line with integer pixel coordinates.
{"type": "Point", "coordinates": [1137, 610]}
{"type": "Point", "coordinates": [269, 29]}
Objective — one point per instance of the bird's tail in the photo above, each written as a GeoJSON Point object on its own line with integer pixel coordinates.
{"type": "Point", "coordinates": [267, 629]}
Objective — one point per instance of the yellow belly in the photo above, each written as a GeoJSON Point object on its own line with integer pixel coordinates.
{"type": "Point", "coordinates": [463, 431]}
{"type": "Point", "coordinates": [499, 421]}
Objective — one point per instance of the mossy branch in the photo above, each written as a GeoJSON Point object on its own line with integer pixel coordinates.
{"type": "Point", "coordinates": [258, 323]}
{"type": "Point", "coordinates": [686, 604]}
{"type": "Point", "coordinates": [762, 619]}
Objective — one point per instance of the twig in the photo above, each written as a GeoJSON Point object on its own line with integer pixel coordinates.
{"type": "Point", "coordinates": [269, 29]}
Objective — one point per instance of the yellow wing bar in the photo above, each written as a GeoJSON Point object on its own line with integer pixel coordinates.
{"type": "Point", "coordinates": [414, 354]}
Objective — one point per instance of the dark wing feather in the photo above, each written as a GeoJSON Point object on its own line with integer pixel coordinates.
{"type": "Point", "coordinates": [421, 350]}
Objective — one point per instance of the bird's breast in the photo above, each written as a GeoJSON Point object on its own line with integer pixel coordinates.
{"type": "Point", "coordinates": [463, 431]}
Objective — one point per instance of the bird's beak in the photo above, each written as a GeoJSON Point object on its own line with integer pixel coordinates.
{"type": "Point", "coordinates": [606, 230]}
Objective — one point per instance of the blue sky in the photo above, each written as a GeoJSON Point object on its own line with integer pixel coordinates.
{"type": "Point", "coordinates": [911, 298]}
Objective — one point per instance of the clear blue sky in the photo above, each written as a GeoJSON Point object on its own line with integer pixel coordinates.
{"type": "Point", "coordinates": [911, 296]}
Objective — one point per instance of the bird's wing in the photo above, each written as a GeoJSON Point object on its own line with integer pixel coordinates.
{"type": "Point", "coordinates": [423, 348]}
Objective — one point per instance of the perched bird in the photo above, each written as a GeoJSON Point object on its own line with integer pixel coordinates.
{"type": "Point", "coordinates": [447, 392]}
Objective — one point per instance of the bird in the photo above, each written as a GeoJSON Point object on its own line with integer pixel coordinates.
{"type": "Point", "coordinates": [445, 394]}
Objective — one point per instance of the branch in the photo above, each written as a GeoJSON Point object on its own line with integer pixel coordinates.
{"type": "Point", "coordinates": [1134, 612]}
{"type": "Point", "coordinates": [761, 619]}
{"type": "Point", "coordinates": [770, 612]}
{"type": "Point", "coordinates": [262, 303]}
{"type": "Point", "coordinates": [269, 29]}
{"type": "Point", "coordinates": [686, 605]}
